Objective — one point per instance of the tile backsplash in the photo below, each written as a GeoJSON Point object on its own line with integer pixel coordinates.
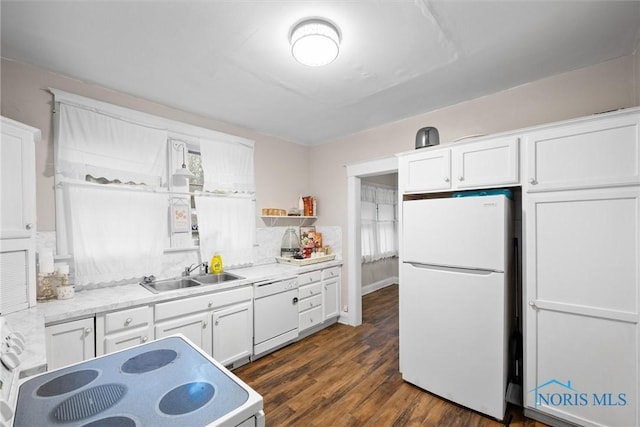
{"type": "Point", "coordinates": [267, 247]}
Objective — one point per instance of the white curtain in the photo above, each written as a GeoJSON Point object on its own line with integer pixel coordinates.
{"type": "Point", "coordinates": [227, 226]}
{"type": "Point", "coordinates": [117, 233]}
{"type": "Point", "coordinates": [227, 166]}
{"type": "Point", "coordinates": [378, 231]}
{"type": "Point", "coordinates": [96, 144]}
{"type": "Point", "coordinates": [227, 222]}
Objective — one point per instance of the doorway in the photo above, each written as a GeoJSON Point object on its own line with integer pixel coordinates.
{"type": "Point", "coordinates": [355, 174]}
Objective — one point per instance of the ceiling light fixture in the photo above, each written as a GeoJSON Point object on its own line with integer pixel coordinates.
{"type": "Point", "coordinates": [315, 42]}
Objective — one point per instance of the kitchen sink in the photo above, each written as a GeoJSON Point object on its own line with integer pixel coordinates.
{"type": "Point", "coordinates": [170, 285]}
{"type": "Point", "coordinates": [209, 279]}
{"type": "Point", "coordinates": [188, 282]}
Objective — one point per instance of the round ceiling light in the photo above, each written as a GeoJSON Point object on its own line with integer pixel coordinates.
{"type": "Point", "coordinates": [315, 42]}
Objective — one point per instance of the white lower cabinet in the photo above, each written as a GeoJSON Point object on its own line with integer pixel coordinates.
{"type": "Point", "coordinates": [220, 323]}
{"type": "Point", "coordinates": [233, 333]}
{"type": "Point", "coordinates": [582, 306]}
{"type": "Point", "coordinates": [195, 327]}
{"type": "Point", "coordinates": [331, 293]}
{"type": "Point", "coordinates": [70, 342]}
{"type": "Point", "coordinates": [319, 298]}
{"type": "Point", "coordinates": [123, 329]}
{"type": "Point", "coordinates": [309, 300]}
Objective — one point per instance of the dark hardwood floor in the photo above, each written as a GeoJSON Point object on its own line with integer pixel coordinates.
{"type": "Point", "coordinates": [346, 376]}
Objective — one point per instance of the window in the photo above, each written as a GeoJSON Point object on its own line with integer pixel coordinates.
{"type": "Point", "coordinates": [115, 190]}
{"type": "Point", "coordinates": [196, 183]}
{"type": "Point", "coordinates": [378, 223]}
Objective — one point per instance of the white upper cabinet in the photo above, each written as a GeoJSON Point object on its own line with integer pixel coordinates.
{"type": "Point", "coordinates": [598, 153]}
{"type": "Point", "coordinates": [17, 216]}
{"type": "Point", "coordinates": [481, 164]}
{"type": "Point", "coordinates": [486, 163]}
{"type": "Point", "coordinates": [428, 170]}
{"type": "Point", "coordinates": [18, 180]}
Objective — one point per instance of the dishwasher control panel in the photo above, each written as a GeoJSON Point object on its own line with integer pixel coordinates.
{"type": "Point", "coordinates": [270, 287]}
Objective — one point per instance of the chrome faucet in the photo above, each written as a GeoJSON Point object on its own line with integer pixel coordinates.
{"type": "Point", "coordinates": [187, 270]}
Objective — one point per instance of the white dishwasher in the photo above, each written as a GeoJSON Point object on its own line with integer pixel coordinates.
{"type": "Point", "coordinates": [275, 314]}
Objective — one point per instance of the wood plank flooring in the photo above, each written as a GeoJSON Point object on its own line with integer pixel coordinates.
{"type": "Point", "coordinates": [346, 376]}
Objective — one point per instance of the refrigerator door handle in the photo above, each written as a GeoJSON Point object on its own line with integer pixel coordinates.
{"type": "Point", "coordinates": [454, 269]}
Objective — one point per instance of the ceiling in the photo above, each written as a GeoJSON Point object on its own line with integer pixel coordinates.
{"type": "Point", "coordinates": [230, 60]}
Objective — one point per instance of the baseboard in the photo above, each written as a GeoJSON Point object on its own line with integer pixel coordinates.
{"type": "Point", "coordinates": [379, 285]}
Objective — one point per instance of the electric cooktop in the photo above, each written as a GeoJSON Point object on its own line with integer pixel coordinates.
{"type": "Point", "coordinates": [168, 382]}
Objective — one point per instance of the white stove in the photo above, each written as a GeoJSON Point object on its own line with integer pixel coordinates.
{"type": "Point", "coordinates": [167, 382]}
{"type": "Point", "coordinates": [12, 345]}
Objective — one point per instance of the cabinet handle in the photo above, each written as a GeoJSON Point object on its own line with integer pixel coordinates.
{"type": "Point", "coordinates": [217, 322]}
{"type": "Point", "coordinates": [461, 178]}
{"type": "Point", "coordinates": [29, 226]}
{"type": "Point", "coordinates": [533, 305]}
{"type": "Point", "coordinates": [128, 321]}
{"type": "Point", "coordinates": [204, 324]}
{"type": "Point", "coordinates": [210, 303]}
{"type": "Point", "coordinates": [446, 179]}
{"type": "Point", "coordinates": [144, 339]}
{"type": "Point", "coordinates": [532, 181]}
{"type": "Point", "coordinates": [87, 331]}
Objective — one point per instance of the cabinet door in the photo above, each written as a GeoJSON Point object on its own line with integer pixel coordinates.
{"type": "Point", "coordinates": [233, 333]}
{"type": "Point", "coordinates": [426, 170]}
{"type": "Point", "coordinates": [330, 298]}
{"type": "Point", "coordinates": [17, 274]}
{"type": "Point", "coordinates": [600, 153]}
{"type": "Point", "coordinates": [17, 180]}
{"type": "Point", "coordinates": [582, 286]}
{"type": "Point", "coordinates": [196, 327]}
{"type": "Point", "coordinates": [486, 163]}
{"type": "Point", "coordinates": [70, 342]}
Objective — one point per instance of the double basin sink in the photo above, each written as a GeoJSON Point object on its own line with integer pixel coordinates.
{"type": "Point", "coordinates": [188, 282]}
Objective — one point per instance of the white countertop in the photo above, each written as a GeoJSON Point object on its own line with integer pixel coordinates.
{"type": "Point", "coordinates": [31, 322]}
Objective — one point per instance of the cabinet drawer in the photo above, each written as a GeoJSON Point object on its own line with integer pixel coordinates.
{"type": "Point", "coordinates": [309, 303]}
{"type": "Point", "coordinates": [127, 339]}
{"type": "Point", "coordinates": [310, 277]}
{"type": "Point", "coordinates": [309, 290]}
{"type": "Point", "coordinates": [330, 273]}
{"type": "Point", "coordinates": [127, 319]}
{"type": "Point", "coordinates": [586, 155]}
{"type": "Point", "coordinates": [310, 318]}
{"type": "Point", "coordinates": [181, 307]}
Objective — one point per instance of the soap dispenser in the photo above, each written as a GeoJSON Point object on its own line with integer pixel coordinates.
{"type": "Point", "coordinates": [216, 264]}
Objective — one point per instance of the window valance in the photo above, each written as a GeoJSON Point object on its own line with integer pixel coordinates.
{"type": "Point", "coordinates": [93, 143]}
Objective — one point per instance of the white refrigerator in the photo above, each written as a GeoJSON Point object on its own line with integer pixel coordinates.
{"type": "Point", "coordinates": [455, 290]}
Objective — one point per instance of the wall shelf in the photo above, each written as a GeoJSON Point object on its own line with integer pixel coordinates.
{"type": "Point", "coordinates": [275, 220]}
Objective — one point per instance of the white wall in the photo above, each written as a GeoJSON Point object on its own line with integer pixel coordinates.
{"type": "Point", "coordinates": [281, 166]}
{"type": "Point", "coordinates": [285, 170]}
{"type": "Point", "coordinates": [602, 87]}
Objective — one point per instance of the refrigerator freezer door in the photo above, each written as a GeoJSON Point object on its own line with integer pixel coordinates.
{"type": "Point", "coordinates": [453, 335]}
{"type": "Point", "coordinates": [467, 232]}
